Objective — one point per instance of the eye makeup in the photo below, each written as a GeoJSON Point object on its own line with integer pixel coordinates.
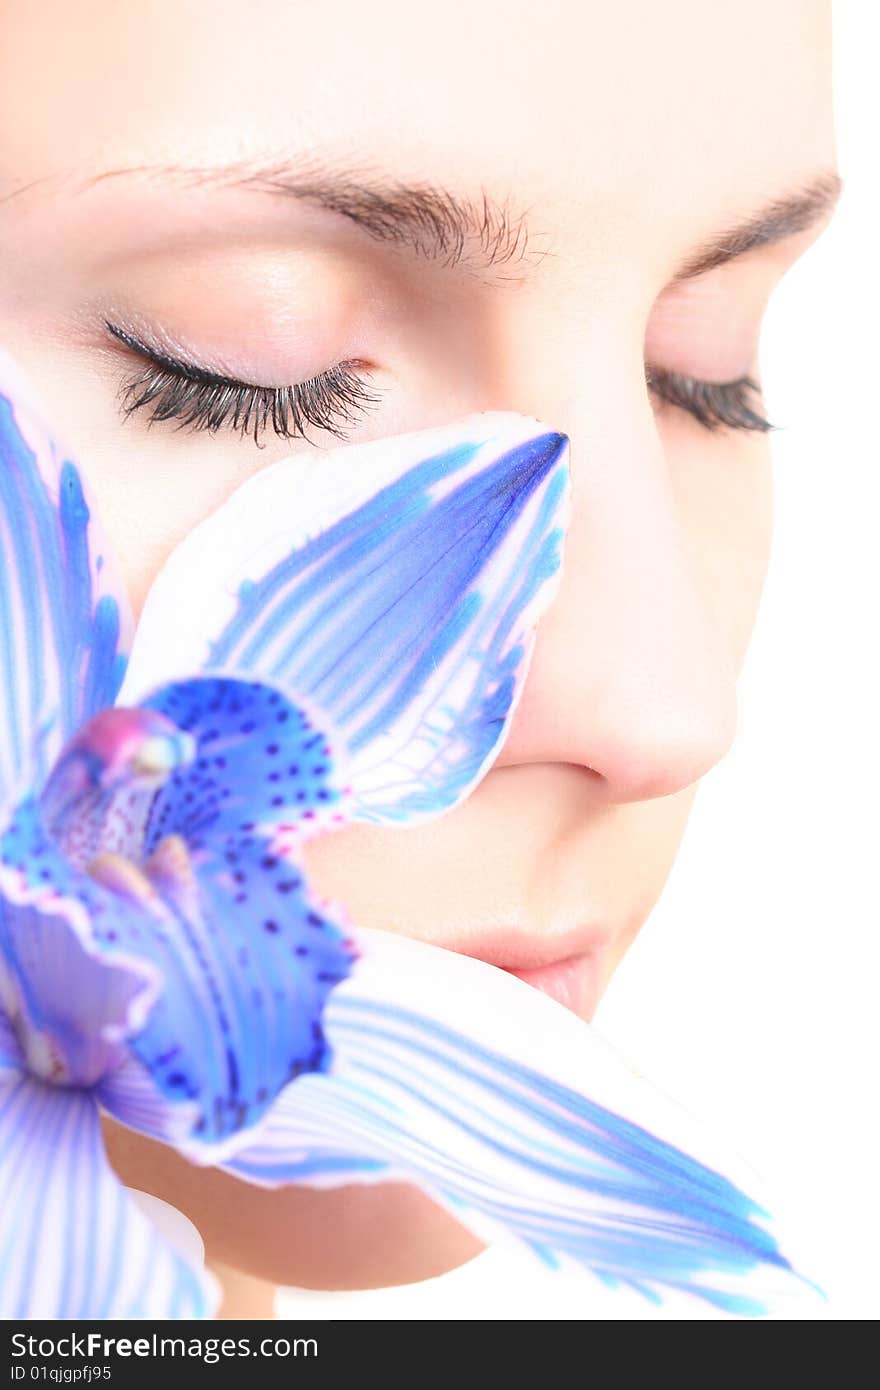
{"type": "Point", "coordinates": [206, 400]}
{"type": "Point", "coordinates": [713, 404]}
{"type": "Point", "coordinates": [201, 399]}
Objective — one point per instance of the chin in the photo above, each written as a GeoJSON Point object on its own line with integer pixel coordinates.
{"type": "Point", "coordinates": [365, 1236]}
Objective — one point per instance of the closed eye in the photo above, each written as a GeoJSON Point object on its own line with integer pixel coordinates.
{"type": "Point", "coordinates": [173, 389]}
{"type": "Point", "coordinates": [733, 405]}
{"type": "Point", "coordinates": [204, 400]}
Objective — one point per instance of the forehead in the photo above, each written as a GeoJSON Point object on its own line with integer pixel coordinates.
{"type": "Point", "coordinates": [608, 121]}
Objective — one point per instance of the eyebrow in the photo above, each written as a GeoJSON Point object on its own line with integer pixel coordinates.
{"type": "Point", "coordinates": [429, 222]}
{"type": "Point", "coordinates": [784, 217]}
{"type": "Point", "coordinates": [477, 234]}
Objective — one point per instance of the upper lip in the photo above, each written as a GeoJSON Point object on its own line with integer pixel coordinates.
{"type": "Point", "coordinates": [513, 949]}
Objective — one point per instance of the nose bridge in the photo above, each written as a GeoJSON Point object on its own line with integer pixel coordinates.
{"type": "Point", "coordinates": [628, 676]}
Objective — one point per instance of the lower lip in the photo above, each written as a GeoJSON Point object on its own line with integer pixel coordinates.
{"type": "Point", "coordinates": [572, 982]}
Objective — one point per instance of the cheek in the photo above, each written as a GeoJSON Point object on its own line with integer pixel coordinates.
{"type": "Point", "coordinates": [149, 487]}
{"type": "Point", "coordinates": [724, 492]}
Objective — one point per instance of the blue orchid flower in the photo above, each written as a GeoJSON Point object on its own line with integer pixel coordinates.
{"type": "Point", "coordinates": [359, 626]}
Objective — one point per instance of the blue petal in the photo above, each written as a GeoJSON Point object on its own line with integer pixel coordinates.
{"type": "Point", "coordinates": [259, 759]}
{"type": "Point", "coordinates": [247, 956]}
{"type": "Point", "coordinates": [248, 963]}
{"type": "Point", "coordinates": [73, 1244]}
{"type": "Point", "coordinates": [408, 615]}
{"type": "Point", "coordinates": [210, 961]}
{"type": "Point", "coordinates": [11, 1056]}
{"type": "Point", "coordinates": [63, 621]}
{"type": "Point", "coordinates": [511, 1149]}
{"type": "Point", "coordinates": [74, 1004]}
{"type": "Point", "coordinates": [101, 790]}
{"type": "Point", "coordinates": [131, 1096]}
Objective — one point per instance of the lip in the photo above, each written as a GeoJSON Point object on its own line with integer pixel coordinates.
{"type": "Point", "coordinates": [517, 950]}
{"type": "Point", "coordinates": [563, 966]}
{"type": "Point", "coordinates": [572, 982]}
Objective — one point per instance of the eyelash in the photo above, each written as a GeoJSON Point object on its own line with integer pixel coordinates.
{"type": "Point", "coordinates": [205, 400]}
{"type": "Point", "coordinates": [715, 405]}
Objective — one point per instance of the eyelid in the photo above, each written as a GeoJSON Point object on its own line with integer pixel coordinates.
{"type": "Point", "coordinates": [180, 366]}
{"type": "Point", "coordinates": [712, 340]}
{"type": "Point", "coordinates": [208, 400]}
{"type": "Point", "coordinates": [710, 327]}
{"type": "Point", "coordinates": [188, 392]}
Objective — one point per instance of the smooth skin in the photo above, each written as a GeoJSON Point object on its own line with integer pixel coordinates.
{"type": "Point", "coordinates": [629, 135]}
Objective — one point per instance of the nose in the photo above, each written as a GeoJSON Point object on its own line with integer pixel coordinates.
{"type": "Point", "coordinates": [630, 677]}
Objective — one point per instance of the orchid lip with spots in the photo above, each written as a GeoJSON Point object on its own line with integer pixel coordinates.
{"type": "Point", "coordinates": [345, 639]}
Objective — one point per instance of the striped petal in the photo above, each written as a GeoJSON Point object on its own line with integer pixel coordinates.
{"type": "Point", "coordinates": [394, 585]}
{"type": "Point", "coordinates": [508, 1110]}
{"type": "Point", "coordinates": [64, 623]}
{"type": "Point", "coordinates": [73, 1243]}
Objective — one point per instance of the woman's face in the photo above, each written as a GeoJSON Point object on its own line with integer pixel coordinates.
{"type": "Point", "coordinates": [491, 207]}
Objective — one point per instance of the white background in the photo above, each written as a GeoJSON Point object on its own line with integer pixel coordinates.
{"type": "Point", "coordinates": [751, 994]}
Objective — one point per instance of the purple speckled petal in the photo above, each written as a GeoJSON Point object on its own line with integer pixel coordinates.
{"type": "Point", "coordinates": [255, 955]}
{"type": "Point", "coordinates": [204, 929]}
{"type": "Point", "coordinates": [259, 759]}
